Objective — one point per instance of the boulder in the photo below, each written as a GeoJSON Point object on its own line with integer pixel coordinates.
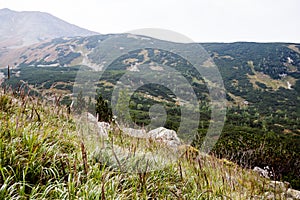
{"type": "Point", "coordinates": [282, 188]}
{"type": "Point", "coordinates": [167, 136]}
{"type": "Point", "coordinates": [138, 133]}
{"type": "Point", "coordinates": [91, 117]}
{"type": "Point", "coordinates": [279, 186]}
{"type": "Point", "coordinates": [102, 127]}
{"type": "Point", "coordinates": [262, 172]}
{"type": "Point", "coordinates": [294, 194]}
{"type": "Point", "coordinates": [161, 134]}
{"type": "Point", "coordinates": [273, 196]}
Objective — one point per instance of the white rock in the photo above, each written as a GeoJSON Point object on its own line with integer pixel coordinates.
{"type": "Point", "coordinates": [278, 185]}
{"type": "Point", "coordinates": [161, 134]}
{"type": "Point", "coordinates": [138, 133]}
{"type": "Point", "coordinates": [295, 194]}
{"type": "Point", "coordinates": [91, 118]}
{"type": "Point", "coordinates": [166, 136]}
{"type": "Point", "coordinates": [262, 172]}
{"type": "Point", "coordinates": [102, 127]}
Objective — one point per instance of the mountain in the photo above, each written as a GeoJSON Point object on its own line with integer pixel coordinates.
{"type": "Point", "coordinates": [258, 74]}
{"type": "Point", "coordinates": [24, 28]}
{"type": "Point", "coordinates": [262, 82]}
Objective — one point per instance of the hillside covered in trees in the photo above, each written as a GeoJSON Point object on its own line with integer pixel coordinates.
{"type": "Point", "coordinates": [262, 126]}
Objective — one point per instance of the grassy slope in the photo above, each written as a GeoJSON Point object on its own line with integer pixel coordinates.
{"type": "Point", "coordinates": [43, 156]}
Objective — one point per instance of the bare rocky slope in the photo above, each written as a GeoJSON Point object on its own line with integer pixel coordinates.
{"type": "Point", "coordinates": [28, 27]}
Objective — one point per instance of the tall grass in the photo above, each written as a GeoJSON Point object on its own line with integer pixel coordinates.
{"type": "Point", "coordinates": [44, 156]}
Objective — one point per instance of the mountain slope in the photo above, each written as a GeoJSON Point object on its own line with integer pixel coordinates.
{"type": "Point", "coordinates": [24, 28]}
{"type": "Point", "coordinates": [262, 83]}
{"type": "Point", "coordinates": [254, 74]}
{"type": "Point", "coordinates": [257, 74]}
{"type": "Point", "coordinates": [44, 156]}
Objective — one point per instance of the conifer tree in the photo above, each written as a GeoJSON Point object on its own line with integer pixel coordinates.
{"type": "Point", "coordinates": [8, 72]}
{"type": "Point", "coordinates": [103, 110]}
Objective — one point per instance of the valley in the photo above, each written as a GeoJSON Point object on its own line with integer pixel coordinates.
{"type": "Point", "coordinates": [55, 76]}
{"type": "Point", "coordinates": [262, 107]}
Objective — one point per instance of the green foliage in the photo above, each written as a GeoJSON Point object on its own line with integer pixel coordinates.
{"type": "Point", "coordinates": [250, 147]}
{"type": "Point", "coordinates": [67, 59]}
{"type": "Point", "coordinates": [267, 57]}
{"type": "Point", "coordinates": [35, 147]}
{"type": "Point", "coordinates": [42, 77]}
{"type": "Point", "coordinates": [103, 111]}
{"type": "Point", "coordinates": [45, 159]}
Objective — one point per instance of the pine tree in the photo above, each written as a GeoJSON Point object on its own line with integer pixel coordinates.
{"type": "Point", "coordinates": [103, 110]}
{"type": "Point", "coordinates": [8, 72]}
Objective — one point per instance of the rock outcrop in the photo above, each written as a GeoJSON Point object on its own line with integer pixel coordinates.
{"type": "Point", "coordinates": [262, 172]}
{"type": "Point", "coordinates": [166, 136]}
{"type": "Point", "coordinates": [161, 134]}
{"type": "Point", "coordinates": [277, 187]}
{"type": "Point", "coordinates": [294, 194]}
{"type": "Point", "coordinates": [102, 128]}
{"type": "Point", "coordinates": [138, 133]}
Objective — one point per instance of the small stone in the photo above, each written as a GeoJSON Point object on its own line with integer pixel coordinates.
{"type": "Point", "coordinates": [262, 172]}
{"type": "Point", "coordinates": [295, 194]}
{"type": "Point", "coordinates": [278, 186]}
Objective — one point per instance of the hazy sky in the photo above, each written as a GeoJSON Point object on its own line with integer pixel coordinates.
{"type": "Point", "coordinates": [200, 20]}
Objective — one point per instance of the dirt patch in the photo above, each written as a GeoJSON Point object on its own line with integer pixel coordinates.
{"type": "Point", "coordinates": [294, 48]}
{"type": "Point", "coordinates": [285, 82]}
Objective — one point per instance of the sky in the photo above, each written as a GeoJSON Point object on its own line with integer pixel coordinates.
{"type": "Point", "coordinates": [199, 20]}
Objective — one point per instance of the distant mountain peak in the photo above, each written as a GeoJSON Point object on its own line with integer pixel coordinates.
{"type": "Point", "coordinates": [28, 27]}
{"type": "Point", "coordinates": [6, 10]}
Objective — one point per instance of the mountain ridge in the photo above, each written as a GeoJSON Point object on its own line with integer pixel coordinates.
{"type": "Point", "coordinates": [22, 28]}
